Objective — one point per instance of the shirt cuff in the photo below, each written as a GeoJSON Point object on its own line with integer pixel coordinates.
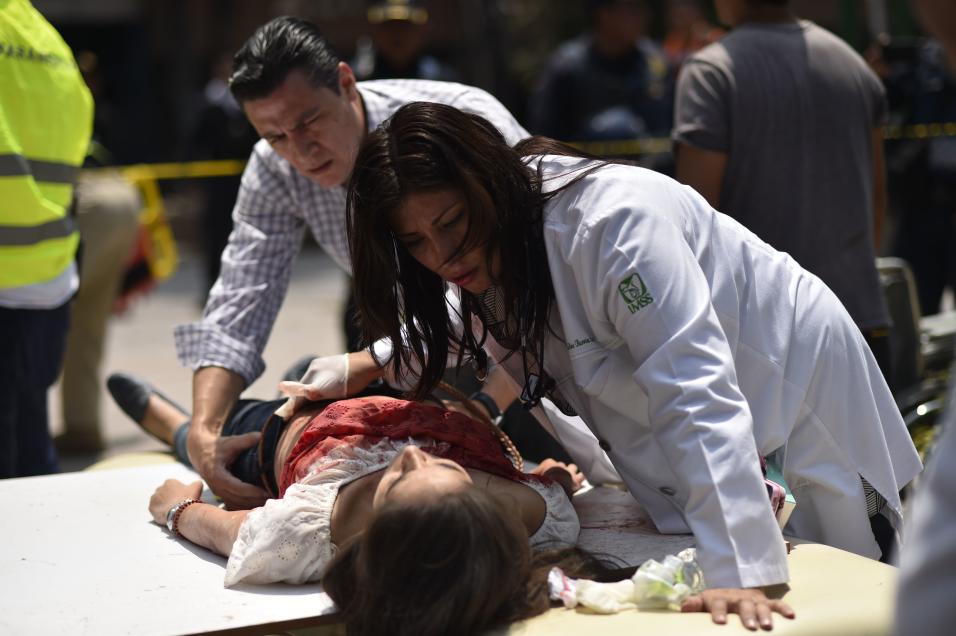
{"type": "Point", "coordinates": [772, 569]}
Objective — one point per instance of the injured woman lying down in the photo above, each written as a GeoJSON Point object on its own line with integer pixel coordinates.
{"type": "Point", "coordinates": [398, 507]}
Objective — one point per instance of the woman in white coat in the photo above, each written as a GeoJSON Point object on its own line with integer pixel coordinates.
{"type": "Point", "coordinates": [689, 347]}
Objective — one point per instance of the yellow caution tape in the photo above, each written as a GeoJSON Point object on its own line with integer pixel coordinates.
{"type": "Point", "coordinates": [625, 147]}
{"type": "Point", "coordinates": [187, 170]}
{"type": "Point", "coordinates": [161, 255]}
{"type": "Point", "coordinates": [662, 145]}
{"type": "Point", "coordinates": [920, 131]}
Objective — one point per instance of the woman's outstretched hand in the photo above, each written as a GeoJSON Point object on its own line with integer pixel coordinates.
{"type": "Point", "coordinates": [753, 606]}
{"type": "Point", "coordinates": [169, 494]}
{"type": "Point", "coordinates": [567, 475]}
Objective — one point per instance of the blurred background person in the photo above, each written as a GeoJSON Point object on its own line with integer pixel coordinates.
{"type": "Point", "coordinates": [921, 90]}
{"type": "Point", "coordinates": [688, 31]}
{"type": "Point", "coordinates": [928, 561]}
{"type": "Point", "coordinates": [927, 582]}
{"type": "Point", "coordinates": [107, 214]}
{"type": "Point", "coordinates": [939, 17]}
{"type": "Point", "coordinates": [779, 125]}
{"type": "Point", "coordinates": [222, 132]}
{"type": "Point", "coordinates": [395, 50]}
{"type": "Point", "coordinates": [607, 84]}
{"type": "Point", "coordinates": [398, 43]}
{"type": "Point", "coordinates": [46, 118]}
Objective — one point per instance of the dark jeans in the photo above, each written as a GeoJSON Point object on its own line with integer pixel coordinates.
{"type": "Point", "coordinates": [32, 342]}
{"type": "Point", "coordinates": [247, 416]}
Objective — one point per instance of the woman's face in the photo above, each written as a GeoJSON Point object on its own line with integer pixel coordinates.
{"type": "Point", "coordinates": [431, 225]}
{"type": "Point", "coordinates": [415, 476]}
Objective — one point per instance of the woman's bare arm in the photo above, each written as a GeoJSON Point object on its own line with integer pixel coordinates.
{"type": "Point", "coordinates": [203, 524]}
{"type": "Point", "coordinates": [212, 527]}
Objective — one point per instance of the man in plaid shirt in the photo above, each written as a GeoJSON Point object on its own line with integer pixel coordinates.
{"type": "Point", "coordinates": [312, 116]}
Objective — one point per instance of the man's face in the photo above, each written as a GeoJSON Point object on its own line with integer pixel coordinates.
{"type": "Point", "coordinates": [314, 129]}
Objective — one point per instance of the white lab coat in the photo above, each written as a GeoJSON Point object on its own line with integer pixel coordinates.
{"type": "Point", "coordinates": [719, 349]}
{"type": "Point", "coordinates": [690, 348]}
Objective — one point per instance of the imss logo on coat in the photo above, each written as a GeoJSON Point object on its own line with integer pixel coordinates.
{"type": "Point", "coordinates": [635, 293]}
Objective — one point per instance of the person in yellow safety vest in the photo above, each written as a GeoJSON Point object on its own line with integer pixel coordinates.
{"type": "Point", "coordinates": [46, 118]}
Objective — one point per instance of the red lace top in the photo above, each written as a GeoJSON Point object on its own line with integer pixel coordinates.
{"type": "Point", "coordinates": [369, 419]}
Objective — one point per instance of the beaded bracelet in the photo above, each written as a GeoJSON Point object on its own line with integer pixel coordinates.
{"type": "Point", "coordinates": [175, 513]}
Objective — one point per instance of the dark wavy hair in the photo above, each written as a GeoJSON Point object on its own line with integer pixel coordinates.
{"type": "Point", "coordinates": [461, 565]}
{"type": "Point", "coordinates": [424, 147]}
{"type": "Point", "coordinates": [277, 48]}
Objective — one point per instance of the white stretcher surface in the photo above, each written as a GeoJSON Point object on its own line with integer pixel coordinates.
{"type": "Point", "coordinates": [79, 554]}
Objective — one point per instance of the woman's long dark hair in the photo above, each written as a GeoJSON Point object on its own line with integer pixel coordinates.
{"type": "Point", "coordinates": [460, 565]}
{"type": "Point", "coordinates": [426, 147]}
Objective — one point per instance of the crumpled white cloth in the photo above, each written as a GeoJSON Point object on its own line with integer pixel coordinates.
{"type": "Point", "coordinates": [655, 585]}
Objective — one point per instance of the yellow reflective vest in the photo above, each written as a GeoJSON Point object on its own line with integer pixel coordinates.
{"type": "Point", "coordinates": [46, 119]}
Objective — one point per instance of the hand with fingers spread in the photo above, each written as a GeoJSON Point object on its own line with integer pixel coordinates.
{"type": "Point", "coordinates": [212, 456]}
{"type": "Point", "coordinates": [215, 391]}
{"type": "Point", "coordinates": [752, 605]}
{"type": "Point", "coordinates": [567, 475]}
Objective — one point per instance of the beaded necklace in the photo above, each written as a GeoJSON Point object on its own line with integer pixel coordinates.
{"type": "Point", "coordinates": [507, 445]}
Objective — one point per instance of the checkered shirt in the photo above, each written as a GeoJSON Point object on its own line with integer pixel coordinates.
{"type": "Point", "coordinates": [274, 207]}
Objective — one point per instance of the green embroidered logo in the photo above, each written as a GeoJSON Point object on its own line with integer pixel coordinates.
{"type": "Point", "coordinates": [634, 292]}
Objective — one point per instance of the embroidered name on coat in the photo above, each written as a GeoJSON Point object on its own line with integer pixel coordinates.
{"type": "Point", "coordinates": [635, 293]}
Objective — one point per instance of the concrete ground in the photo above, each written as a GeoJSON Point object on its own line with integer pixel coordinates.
{"type": "Point", "coordinates": [141, 342]}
